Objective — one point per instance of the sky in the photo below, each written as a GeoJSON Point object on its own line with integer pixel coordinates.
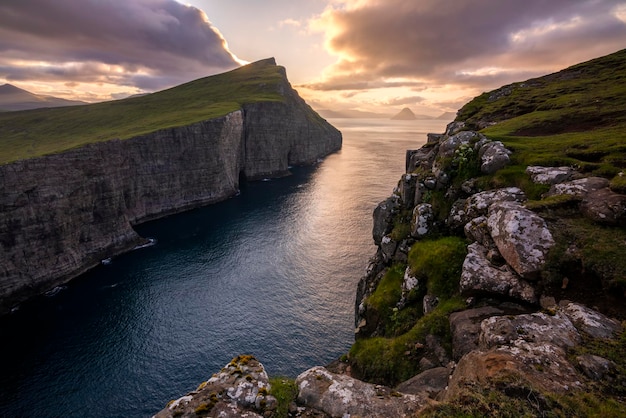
{"type": "Point", "coordinates": [372, 55]}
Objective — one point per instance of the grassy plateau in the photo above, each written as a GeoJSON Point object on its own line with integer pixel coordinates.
{"type": "Point", "coordinates": [33, 133]}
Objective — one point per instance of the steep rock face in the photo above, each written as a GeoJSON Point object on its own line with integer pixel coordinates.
{"type": "Point", "coordinates": [61, 214]}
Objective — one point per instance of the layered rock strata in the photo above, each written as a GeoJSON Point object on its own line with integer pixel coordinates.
{"type": "Point", "coordinates": [62, 214]}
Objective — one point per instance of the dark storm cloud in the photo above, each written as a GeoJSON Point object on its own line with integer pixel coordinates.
{"type": "Point", "coordinates": [133, 42]}
{"type": "Point", "coordinates": [440, 40]}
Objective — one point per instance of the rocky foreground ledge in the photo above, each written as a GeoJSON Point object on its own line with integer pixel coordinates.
{"type": "Point", "coordinates": [488, 332]}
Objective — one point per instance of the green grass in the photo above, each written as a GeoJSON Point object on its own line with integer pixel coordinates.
{"type": "Point", "coordinates": [285, 392]}
{"type": "Point", "coordinates": [33, 133]}
{"type": "Point", "coordinates": [438, 263]}
{"type": "Point", "coordinates": [392, 360]}
{"type": "Point", "coordinates": [600, 251]}
{"type": "Point", "coordinates": [576, 117]}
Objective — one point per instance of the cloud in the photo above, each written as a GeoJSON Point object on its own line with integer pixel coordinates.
{"type": "Point", "coordinates": [400, 101]}
{"type": "Point", "coordinates": [145, 44]}
{"type": "Point", "coordinates": [474, 44]}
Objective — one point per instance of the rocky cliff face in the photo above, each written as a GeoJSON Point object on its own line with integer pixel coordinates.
{"type": "Point", "coordinates": [454, 316]}
{"type": "Point", "coordinates": [62, 214]}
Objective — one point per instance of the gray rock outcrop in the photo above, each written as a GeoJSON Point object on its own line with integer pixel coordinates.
{"type": "Point", "coordinates": [342, 396]}
{"type": "Point", "coordinates": [240, 389]}
{"type": "Point", "coordinates": [522, 237]}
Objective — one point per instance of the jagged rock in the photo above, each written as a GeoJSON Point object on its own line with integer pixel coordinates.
{"type": "Point", "coordinates": [409, 282]}
{"type": "Point", "coordinates": [383, 217]}
{"type": "Point", "coordinates": [240, 389]}
{"type": "Point", "coordinates": [343, 396]}
{"type": "Point", "coordinates": [604, 206]}
{"type": "Point", "coordinates": [493, 157]}
{"type": "Point", "coordinates": [433, 138]}
{"type": "Point", "coordinates": [589, 321]}
{"type": "Point", "coordinates": [452, 143]}
{"type": "Point", "coordinates": [578, 188]}
{"type": "Point", "coordinates": [522, 237]}
{"type": "Point", "coordinates": [429, 303]}
{"type": "Point", "coordinates": [388, 247]}
{"type": "Point", "coordinates": [465, 328]}
{"type": "Point", "coordinates": [536, 328]}
{"type": "Point", "coordinates": [469, 187]}
{"type": "Point", "coordinates": [407, 189]}
{"type": "Point", "coordinates": [421, 158]}
{"type": "Point", "coordinates": [478, 204]}
{"type": "Point", "coordinates": [454, 127]}
{"type": "Point", "coordinates": [420, 190]}
{"type": "Point", "coordinates": [431, 382]}
{"type": "Point", "coordinates": [479, 276]}
{"type": "Point", "coordinates": [422, 220]}
{"type": "Point", "coordinates": [430, 183]}
{"type": "Point", "coordinates": [596, 367]}
{"type": "Point", "coordinates": [476, 231]}
{"type": "Point", "coordinates": [550, 175]}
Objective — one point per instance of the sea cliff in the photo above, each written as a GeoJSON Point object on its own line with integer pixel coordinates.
{"type": "Point", "coordinates": [62, 213]}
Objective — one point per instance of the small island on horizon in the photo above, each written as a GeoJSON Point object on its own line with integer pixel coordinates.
{"type": "Point", "coordinates": [405, 114]}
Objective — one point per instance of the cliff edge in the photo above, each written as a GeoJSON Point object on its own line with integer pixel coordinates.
{"type": "Point", "coordinates": [70, 200]}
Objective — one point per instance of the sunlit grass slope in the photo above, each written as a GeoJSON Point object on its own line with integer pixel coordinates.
{"type": "Point", "coordinates": [576, 117]}
{"type": "Point", "coordinates": [33, 133]}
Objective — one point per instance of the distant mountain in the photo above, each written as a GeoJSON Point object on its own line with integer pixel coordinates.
{"type": "Point", "coordinates": [447, 116]}
{"type": "Point", "coordinates": [405, 114]}
{"type": "Point", "coordinates": [14, 98]}
{"type": "Point", "coordinates": [351, 113]}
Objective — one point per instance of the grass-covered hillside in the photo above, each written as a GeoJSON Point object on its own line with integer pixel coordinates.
{"type": "Point", "coordinates": [576, 117]}
{"type": "Point", "coordinates": [33, 133]}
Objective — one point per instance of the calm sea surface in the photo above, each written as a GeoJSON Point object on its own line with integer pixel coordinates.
{"type": "Point", "coordinates": [272, 272]}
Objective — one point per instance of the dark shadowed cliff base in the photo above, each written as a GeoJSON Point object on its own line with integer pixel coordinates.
{"type": "Point", "coordinates": [61, 214]}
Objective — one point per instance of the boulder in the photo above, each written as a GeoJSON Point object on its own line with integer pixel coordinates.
{"type": "Point", "coordinates": [536, 328]}
{"type": "Point", "coordinates": [409, 282]}
{"type": "Point", "coordinates": [478, 204]}
{"type": "Point", "coordinates": [454, 127]}
{"type": "Point", "coordinates": [596, 367]}
{"type": "Point", "coordinates": [604, 206]}
{"type": "Point", "coordinates": [383, 217]}
{"type": "Point", "coordinates": [421, 158]}
{"type": "Point", "coordinates": [388, 247]}
{"type": "Point", "coordinates": [493, 157]}
{"type": "Point", "coordinates": [343, 396]}
{"type": "Point", "coordinates": [431, 382]}
{"type": "Point", "coordinates": [407, 189]}
{"type": "Point", "coordinates": [579, 188]}
{"type": "Point", "coordinates": [550, 175]}
{"type": "Point", "coordinates": [520, 367]}
{"type": "Point", "coordinates": [479, 276]}
{"type": "Point", "coordinates": [476, 231]}
{"type": "Point", "coordinates": [422, 222]}
{"type": "Point", "coordinates": [522, 237]}
{"type": "Point", "coordinates": [591, 322]}
{"type": "Point", "coordinates": [465, 328]}
{"type": "Point", "coordinates": [450, 145]}
{"type": "Point", "coordinates": [240, 389]}
{"type": "Point", "coordinates": [429, 303]}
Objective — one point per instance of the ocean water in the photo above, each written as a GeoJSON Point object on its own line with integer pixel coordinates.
{"type": "Point", "coordinates": [271, 272]}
